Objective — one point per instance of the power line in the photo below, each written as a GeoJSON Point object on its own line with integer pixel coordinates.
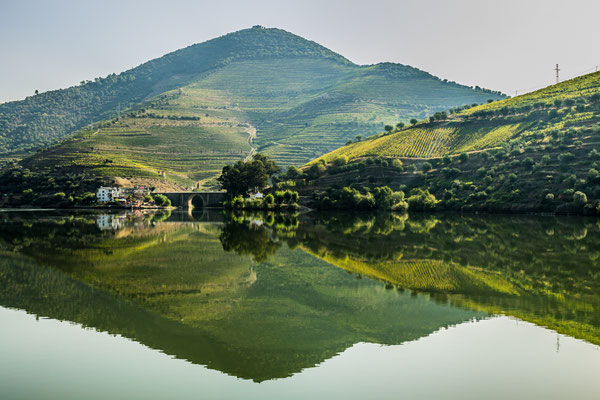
{"type": "Point", "coordinates": [595, 68]}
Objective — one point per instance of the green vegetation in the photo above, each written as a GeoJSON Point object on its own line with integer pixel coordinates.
{"type": "Point", "coordinates": [537, 152]}
{"type": "Point", "coordinates": [187, 114]}
{"type": "Point", "coordinates": [173, 287]}
{"type": "Point", "coordinates": [278, 200]}
{"type": "Point", "coordinates": [540, 269]}
{"type": "Point", "coordinates": [243, 176]}
{"type": "Point", "coordinates": [382, 198]}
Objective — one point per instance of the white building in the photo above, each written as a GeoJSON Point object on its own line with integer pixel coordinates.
{"type": "Point", "coordinates": [257, 195]}
{"type": "Point", "coordinates": [105, 193]}
{"type": "Point", "coordinates": [110, 222]}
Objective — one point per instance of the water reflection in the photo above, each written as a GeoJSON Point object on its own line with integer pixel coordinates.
{"type": "Point", "coordinates": [256, 295]}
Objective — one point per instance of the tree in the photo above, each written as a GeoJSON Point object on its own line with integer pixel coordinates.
{"type": "Point", "coordinates": [413, 121]}
{"type": "Point", "coordinates": [293, 172]}
{"type": "Point", "coordinates": [358, 138]}
{"type": "Point", "coordinates": [580, 198]}
{"type": "Point", "coordinates": [400, 125]}
{"type": "Point", "coordinates": [422, 200]}
{"type": "Point", "coordinates": [340, 160]}
{"type": "Point", "coordinates": [240, 178]}
{"type": "Point", "coordinates": [384, 197]}
{"type": "Point", "coordinates": [388, 128]}
{"type": "Point", "coordinates": [162, 200]}
{"type": "Point", "coordinates": [269, 199]}
{"type": "Point", "coordinates": [427, 166]}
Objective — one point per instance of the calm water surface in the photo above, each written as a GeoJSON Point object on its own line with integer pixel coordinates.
{"type": "Point", "coordinates": [264, 306]}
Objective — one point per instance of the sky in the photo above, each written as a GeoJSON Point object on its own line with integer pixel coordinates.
{"type": "Point", "coordinates": [508, 45]}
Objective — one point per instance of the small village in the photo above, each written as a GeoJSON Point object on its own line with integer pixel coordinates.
{"type": "Point", "coordinates": [128, 197]}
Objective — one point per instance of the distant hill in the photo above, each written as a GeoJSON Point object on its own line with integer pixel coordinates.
{"type": "Point", "coordinates": [536, 152]}
{"type": "Point", "coordinates": [183, 116]}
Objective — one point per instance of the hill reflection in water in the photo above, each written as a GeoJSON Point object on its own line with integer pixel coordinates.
{"type": "Point", "coordinates": [261, 296]}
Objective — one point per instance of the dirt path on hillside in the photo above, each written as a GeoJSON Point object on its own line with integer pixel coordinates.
{"type": "Point", "coordinates": [251, 137]}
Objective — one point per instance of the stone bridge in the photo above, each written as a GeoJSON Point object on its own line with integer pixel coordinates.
{"type": "Point", "coordinates": [197, 200]}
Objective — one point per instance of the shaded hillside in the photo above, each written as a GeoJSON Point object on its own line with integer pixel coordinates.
{"type": "Point", "coordinates": [529, 153]}
{"type": "Point", "coordinates": [187, 114]}
{"type": "Point", "coordinates": [42, 119]}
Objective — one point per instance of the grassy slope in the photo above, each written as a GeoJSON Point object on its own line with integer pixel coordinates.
{"type": "Point", "coordinates": [300, 103]}
{"type": "Point", "coordinates": [515, 160]}
{"type": "Point", "coordinates": [459, 133]}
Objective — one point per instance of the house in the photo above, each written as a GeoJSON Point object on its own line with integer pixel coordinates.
{"type": "Point", "coordinates": [109, 222]}
{"type": "Point", "coordinates": [257, 195]}
{"type": "Point", "coordinates": [106, 193]}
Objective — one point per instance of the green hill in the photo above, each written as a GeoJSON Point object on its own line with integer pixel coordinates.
{"type": "Point", "coordinates": [527, 153]}
{"type": "Point", "coordinates": [185, 115]}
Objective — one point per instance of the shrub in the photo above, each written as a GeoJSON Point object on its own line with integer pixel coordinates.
{"type": "Point", "coordinates": [565, 158]}
{"type": "Point", "coordinates": [279, 197]}
{"type": "Point", "coordinates": [528, 162]}
{"type": "Point", "coordinates": [580, 198]}
{"type": "Point", "coordinates": [269, 200]}
{"type": "Point", "coordinates": [593, 176]}
{"type": "Point", "coordinates": [162, 200]}
{"type": "Point", "coordinates": [340, 160]}
{"type": "Point", "coordinates": [422, 200]}
{"type": "Point", "coordinates": [427, 166]}
{"type": "Point", "coordinates": [316, 170]}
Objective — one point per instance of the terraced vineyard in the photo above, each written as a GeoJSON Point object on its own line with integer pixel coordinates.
{"type": "Point", "coordinates": [209, 104]}
{"type": "Point", "coordinates": [490, 125]}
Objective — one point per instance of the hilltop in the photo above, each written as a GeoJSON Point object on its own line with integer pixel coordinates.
{"type": "Point", "coordinates": [181, 117]}
{"type": "Point", "coordinates": [536, 152]}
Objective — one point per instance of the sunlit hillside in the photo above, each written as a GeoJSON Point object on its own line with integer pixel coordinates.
{"type": "Point", "coordinates": [536, 152]}
{"type": "Point", "coordinates": [532, 116]}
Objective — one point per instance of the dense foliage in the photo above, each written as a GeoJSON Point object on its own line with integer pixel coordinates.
{"type": "Point", "coordinates": [243, 176]}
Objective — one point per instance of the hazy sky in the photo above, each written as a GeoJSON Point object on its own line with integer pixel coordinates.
{"type": "Point", "coordinates": [503, 45]}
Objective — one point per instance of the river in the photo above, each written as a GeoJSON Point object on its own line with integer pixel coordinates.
{"type": "Point", "coordinates": [322, 305]}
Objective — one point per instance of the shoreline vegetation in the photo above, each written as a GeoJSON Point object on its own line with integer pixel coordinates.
{"type": "Point", "coordinates": [536, 153]}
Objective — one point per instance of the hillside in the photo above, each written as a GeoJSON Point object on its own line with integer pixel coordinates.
{"type": "Point", "coordinates": [529, 153]}
{"type": "Point", "coordinates": [185, 115]}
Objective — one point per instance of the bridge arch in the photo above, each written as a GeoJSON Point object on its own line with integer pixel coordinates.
{"type": "Point", "coordinates": [198, 200]}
